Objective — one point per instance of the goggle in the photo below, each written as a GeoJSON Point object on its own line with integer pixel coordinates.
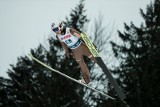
{"type": "Point", "coordinates": [56, 29]}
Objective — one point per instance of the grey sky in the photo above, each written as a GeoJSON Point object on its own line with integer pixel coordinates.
{"type": "Point", "coordinates": [26, 23]}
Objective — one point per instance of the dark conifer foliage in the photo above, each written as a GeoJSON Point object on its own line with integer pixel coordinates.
{"type": "Point", "coordinates": [139, 71]}
{"type": "Point", "coordinates": [77, 17]}
{"type": "Point", "coordinates": [32, 85]}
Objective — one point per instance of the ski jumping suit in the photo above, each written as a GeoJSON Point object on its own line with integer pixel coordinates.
{"type": "Point", "coordinates": [79, 49]}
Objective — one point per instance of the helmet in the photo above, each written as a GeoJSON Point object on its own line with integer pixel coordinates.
{"type": "Point", "coordinates": [56, 26]}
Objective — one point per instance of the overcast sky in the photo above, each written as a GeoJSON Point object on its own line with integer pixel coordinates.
{"type": "Point", "coordinates": [26, 23]}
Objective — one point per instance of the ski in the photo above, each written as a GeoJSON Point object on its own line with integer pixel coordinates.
{"type": "Point", "coordinates": [101, 63]}
{"type": "Point", "coordinates": [66, 76]}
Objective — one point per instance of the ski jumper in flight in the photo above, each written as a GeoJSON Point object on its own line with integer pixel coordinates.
{"type": "Point", "coordinates": [70, 38]}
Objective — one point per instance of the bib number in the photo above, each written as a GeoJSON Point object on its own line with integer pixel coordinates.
{"type": "Point", "coordinates": [68, 41]}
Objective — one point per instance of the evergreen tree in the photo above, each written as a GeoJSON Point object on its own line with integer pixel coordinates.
{"type": "Point", "coordinates": [139, 70]}
{"type": "Point", "coordinates": [32, 85]}
{"type": "Point", "coordinates": [77, 17]}
{"type": "Point", "coordinates": [5, 100]}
